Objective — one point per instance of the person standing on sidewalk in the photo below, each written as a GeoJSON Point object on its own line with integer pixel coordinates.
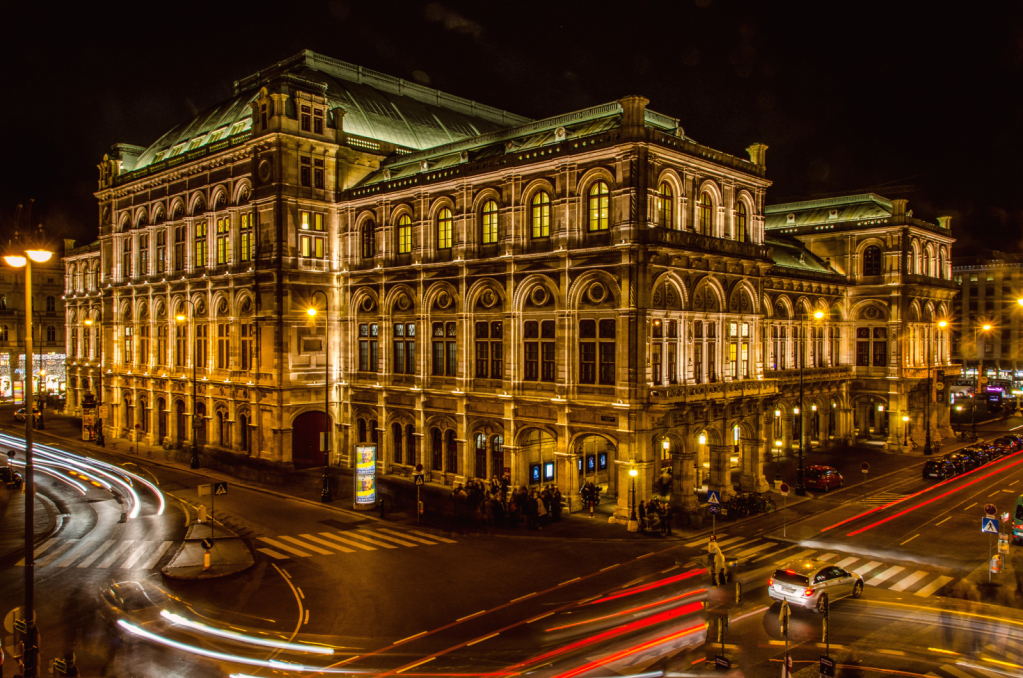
{"type": "Point", "coordinates": [717, 562]}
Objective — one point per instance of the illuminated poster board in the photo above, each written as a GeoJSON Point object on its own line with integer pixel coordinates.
{"type": "Point", "coordinates": [19, 391]}
{"type": "Point", "coordinates": [365, 475]}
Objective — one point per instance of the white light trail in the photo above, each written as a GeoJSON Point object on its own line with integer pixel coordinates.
{"type": "Point", "coordinates": [265, 642]}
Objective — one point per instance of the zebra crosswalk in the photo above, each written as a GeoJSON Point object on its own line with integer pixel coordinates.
{"type": "Point", "coordinates": [878, 574]}
{"type": "Point", "coordinates": [978, 668]}
{"type": "Point", "coordinates": [348, 541]}
{"type": "Point", "coordinates": [882, 498]}
{"type": "Point", "coordinates": [112, 554]}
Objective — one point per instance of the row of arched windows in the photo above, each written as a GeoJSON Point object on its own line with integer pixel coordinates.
{"type": "Point", "coordinates": [704, 213]}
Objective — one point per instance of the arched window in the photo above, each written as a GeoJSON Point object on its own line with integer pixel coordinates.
{"type": "Point", "coordinates": [665, 205]}
{"type": "Point", "coordinates": [489, 222]}
{"type": "Point", "coordinates": [540, 215]}
{"type": "Point", "coordinates": [362, 430]}
{"type": "Point", "coordinates": [872, 260]}
{"type": "Point", "coordinates": [704, 208]}
{"type": "Point", "coordinates": [452, 451]}
{"type": "Point", "coordinates": [410, 444]}
{"type": "Point", "coordinates": [369, 240]}
{"type": "Point", "coordinates": [436, 448]}
{"type": "Point", "coordinates": [445, 226]}
{"type": "Point", "coordinates": [481, 456]}
{"type": "Point", "coordinates": [599, 201]}
{"type": "Point", "coordinates": [404, 234]}
{"type": "Point", "coordinates": [941, 264]}
{"type": "Point", "coordinates": [910, 258]}
{"type": "Point", "coordinates": [51, 334]}
{"type": "Point", "coordinates": [741, 232]}
{"type": "Point", "coordinates": [51, 305]}
{"type": "Point", "coordinates": [397, 439]}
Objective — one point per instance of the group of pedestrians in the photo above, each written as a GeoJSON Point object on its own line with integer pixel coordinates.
{"type": "Point", "coordinates": [497, 505]}
{"type": "Point", "coordinates": [655, 515]}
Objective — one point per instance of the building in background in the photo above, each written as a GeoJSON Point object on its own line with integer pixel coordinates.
{"type": "Point", "coordinates": [560, 300]}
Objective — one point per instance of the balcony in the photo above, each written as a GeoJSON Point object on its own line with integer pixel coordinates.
{"type": "Point", "coordinates": [688, 240]}
{"type": "Point", "coordinates": [811, 373]}
{"type": "Point", "coordinates": [716, 391]}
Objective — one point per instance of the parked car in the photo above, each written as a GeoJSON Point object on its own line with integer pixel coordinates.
{"type": "Point", "coordinates": [978, 453]}
{"type": "Point", "coordinates": [942, 469]}
{"type": "Point", "coordinates": [962, 462]}
{"type": "Point", "coordinates": [1018, 438]}
{"type": "Point", "coordinates": [19, 415]}
{"type": "Point", "coordinates": [1005, 445]}
{"type": "Point", "coordinates": [813, 584]}
{"type": "Point", "coordinates": [822, 478]}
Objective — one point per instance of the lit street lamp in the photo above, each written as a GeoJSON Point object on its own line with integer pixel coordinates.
{"type": "Point", "coordinates": [18, 259]}
{"type": "Point", "coordinates": [633, 520]}
{"type": "Point", "coordinates": [905, 430]}
{"type": "Point", "coordinates": [325, 494]}
{"type": "Point", "coordinates": [194, 461]}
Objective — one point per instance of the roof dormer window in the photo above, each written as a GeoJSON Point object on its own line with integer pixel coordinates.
{"type": "Point", "coordinates": [159, 157]}
{"type": "Point", "coordinates": [216, 134]}
{"type": "Point", "coordinates": [238, 128]}
{"type": "Point", "coordinates": [790, 218]}
{"type": "Point", "coordinates": [833, 214]}
{"type": "Point", "coordinates": [195, 143]}
{"type": "Point", "coordinates": [176, 150]}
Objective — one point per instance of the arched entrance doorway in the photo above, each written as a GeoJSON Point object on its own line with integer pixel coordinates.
{"type": "Point", "coordinates": [306, 432]}
{"type": "Point", "coordinates": [871, 417]}
{"type": "Point", "coordinates": [129, 415]}
{"type": "Point", "coordinates": [497, 456]}
{"type": "Point", "coordinates": [538, 449]}
{"type": "Point", "coordinates": [595, 456]}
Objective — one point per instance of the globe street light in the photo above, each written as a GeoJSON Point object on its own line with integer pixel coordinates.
{"type": "Point", "coordinates": [30, 657]}
{"type": "Point", "coordinates": [633, 520]}
{"type": "Point", "coordinates": [905, 429]}
{"type": "Point", "coordinates": [325, 493]}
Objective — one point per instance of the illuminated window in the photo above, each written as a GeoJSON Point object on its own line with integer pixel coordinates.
{"type": "Point", "coordinates": [704, 209]}
{"type": "Point", "coordinates": [312, 244]}
{"type": "Point", "coordinates": [126, 258]}
{"type": "Point", "coordinates": [489, 223]}
{"type": "Point", "coordinates": [445, 225]}
{"type": "Point", "coordinates": [599, 201]}
{"type": "Point", "coordinates": [223, 240]}
{"type": "Point", "coordinates": [200, 244]}
{"type": "Point", "coordinates": [541, 215]}
{"type": "Point", "coordinates": [161, 250]}
{"type": "Point", "coordinates": [872, 260]}
{"type": "Point", "coordinates": [405, 234]}
{"type": "Point", "coordinates": [369, 240]}
{"type": "Point", "coordinates": [665, 205]}
{"type": "Point", "coordinates": [445, 349]}
{"type": "Point", "coordinates": [741, 234]}
{"type": "Point", "coordinates": [248, 249]}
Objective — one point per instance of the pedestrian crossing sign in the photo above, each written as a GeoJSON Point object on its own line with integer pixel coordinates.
{"type": "Point", "coordinates": [989, 525]}
{"type": "Point", "coordinates": [219, 488]}
{"type": "Point", "coordinates": [713, 498]}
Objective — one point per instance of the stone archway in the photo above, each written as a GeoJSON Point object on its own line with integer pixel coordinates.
{"type": "Point", "coordinates": [595, 460]}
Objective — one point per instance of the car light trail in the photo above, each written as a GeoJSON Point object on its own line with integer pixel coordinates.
{"type": "Point", "coordinates": [70, 481]}
{"type": "Point", "coordinates": [635, 609]}
{"type": "Point", "coordinates": [629, 651]}
{"type": "Point", "coordinates": [240, 637]}
{"type": "Point", "coordinates": [986, 669]}
{"type": "Point", "coordinates": [221, 656]}
{"type": "Point", "coordinates": [648, 587]}
{"type": "Point", "coordinates": [932, 499]}
{"type": "Point", "coordinates": [917, 494]}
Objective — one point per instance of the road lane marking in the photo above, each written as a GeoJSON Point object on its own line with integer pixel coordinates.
{"type": "Point", "coordinates": [37, 552]}
{"type": "Point", "coordinates": [909, 581]}
{"type": "Point", "coordinates": [154, 557]}
{"type": "Point", "coordinates": [474, 614]}
{"type": "Point", "coordinates": [284, 547]}
{"type": "Point", "coordinates": [543, 616]}
{"type": "Point", "coordinates": [863, 569]}
{"type": "Point", "coordinates": [364, 547]}
{"type": "Point", "coordinates": [306, 615]}
{"type": "Point", "coordinates": [801, 554]}
{"type": "Point", "coordinates": [933, 586]}
{"type": "Point", "coordinates": [386, 538]}
{"type": "Point", "coordinates": [910, 539]}
{"type": "Point", "coordinates": [949, 518]}
{"type": "Point", "coordinates": [645, 555]}
{"type": "Point", "coordinates": [405, 640]}
{"type": "Point", "coordinates": [97, 553]}
{"type": "Point", "coordinates": [310, 547]}
{"type": "Point", "coordinates": [384, 544]}
{"type": "Point", "coordinates": [845, 562]}
{"type": "Point", "coordinates": [673, 567]}
{"type": "Point", "coordinates": [300, 594]}
{"type": "Point", "coordinates": [136, 554]}
{"type": "Point", "coordinates": [324, 542]}
{"type": "Point", "coordinates": [897, 653]}
{"type": "Point", "coordinates": [403, 535]}
{"type": "Point", "coordinates": [569, 581]}
{"type": "Point", "coordinates": [1006, 490]}
{"type": "Point", "coordinates": [528, 595]}
{"type": "Point", "coordinates": [277, 555]}
{"type": "Point", "coordinates": [610, 567]}
{"type": "Point", "coordinates": [755, 549]}
{"type": "Point", "coordinates": [886, 575]}
{"type": "Point", "coordinates": [633, 582]}
{"type": "Point", "coordinates": [419, 663]}
{"type": "Point", "coordinates": [970, 506]}
{"type": "Point", "coordinates": [115, 554]}
{"type": "Point", "coordinates": [948, 668]}
{"type": "Point", "coordinates": [480, 640]}
{"type": "Point", "coordinates": [287, 579]}
{"type": "Point", "coordinates": [56, 553]}
{"type": "Point", "coordinates": [774, 553]}
{"type": "Point", "coordinates": [432, 536]}
{"type": "Point", "coordinates": [702, 541]}
{"type": "Point", "coordinates": [1013, 483]}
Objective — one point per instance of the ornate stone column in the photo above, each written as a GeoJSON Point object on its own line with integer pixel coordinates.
{"type": "Point", "coordinates": [752, 478]}
{"type": "Point", "coordinates": [720, 470]}
{"type": "Point", "coordinates": [683, 490]}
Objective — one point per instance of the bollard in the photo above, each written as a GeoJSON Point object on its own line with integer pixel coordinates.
{"type": "Point", "coordinates": [202, 513]}
{"type": "Point", "coordinates": [206, 560]}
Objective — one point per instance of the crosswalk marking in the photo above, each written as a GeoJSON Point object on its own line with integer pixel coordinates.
{"type": "Point", "coordinates": [364, 547]}
{"type": "Point", "coordinates": [336, 547]}
{"type": "Point", "coordinates": [314, 549]}
{"type": "Point", "coordinates": [908, 581]}
{"type": "Point", "coordinates": [863, 569]}
{"type": "Point", "coordinates": [933, 586]}
{"type": "Point", "coordinates": [56, 553]}
{"type": "Point", "coordinates": [37, 552]}
{"type": "Point", "coordinates": [798, 556]}
{"type": "Point", "coordinates": [424, 534]}
{"type": "Point", "coordinates": [845, 562]}
{"type": "Point", "coordinates": [826, 557]}
{"type": "Point", "coordinates": [372, 541]}
{"type": "Point", "coordinates": [948, 668]}
{"type": "Point", "coordinates": [94, 556]}
{"type": "Point", "coordinates": [115, 553]}
{"type": "Point", "coordinates": [883, 498]}
{"type": "Point", "coordinates": [774, 553]}
{"type": "Point", "coordinates": [284, 547]}
{"type": "Point", "coordinates": [755, 549]}
{"type": "Point", "coordinates": [386, 538]}
{"type": "Point", "coordinates": [702, 541]}
{"type": "Point", "coordinates": [273, 554]}
{"type": "Point", "coordinates": [154, 557]}
{"type": "Point", "coordinates": [885, 576]}
{"type": "Point", "coordinates": [135, 555]}
{"type": "Point", "coordinates": [409, 536]}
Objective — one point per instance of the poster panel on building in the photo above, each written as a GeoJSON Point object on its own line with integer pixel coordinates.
{"type": "Point", "coordinates": [365, 475]}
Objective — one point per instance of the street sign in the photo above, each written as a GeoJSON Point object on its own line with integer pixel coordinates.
{"type": "Point", "coordinates": [864, 467]}
{"type": "Point", "coordinates": [207, 543]}
{"type": "Point", "coordinates": [1003, 543]}
{"type": "Point", "coordinates": [714, 508]}
{"type": "Point", "coordinates": [990, 509]}
{"type": "Point", "coordinates": [713, 497]}
{"type": "Point", "coordinates": [21, 626]}
{"type": "Point", "coordinates": [219, 488]}
{"type": "Point", "coordinates": [419, 478]}
{"type": "Point", "coordinates": [204, 490]}
{"type": "Point", "coordinates": [10, 453]}
{"type": "Point", "coordinates": [784, 489]}
{"type": "Point", "coordinates": [827, 667]}
{"type": "Point", "coordinates": [989, 525]}
{"type": "Point", "coordinates": [722, 662]}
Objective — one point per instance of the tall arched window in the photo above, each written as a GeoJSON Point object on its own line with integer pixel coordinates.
{"type": "Point", "coordinates": [872, 260]}
{"type": "Point", "coordinates": [941, 264]}
{"type": "Point", "coordinates": [445, 226]}
{"type": "Point", "coordinates": [481, 456]}
{"type": "Point", "coordinates": [704, 209]}
{"type": "Point", "coordinates": [436, 449]}
{"type": "Point", "coordinates": [396, 442]}
{"type": "Point", "coordinates": [741, 232]}
{"type": "Point", "coordinates": [369, 240]}
{"type": "Point", "coordinates": [540, 215]}
{"type": "Point", "coordinates": [599, 201]}
{"type": "Point", "coordinates": [404, 234]}
{"type": "Point", "coordinates": [665, 205]}
{"type": "Point", "coordinates": [410, 444]}
{"type": "Point", "coordinates": [489, 222]}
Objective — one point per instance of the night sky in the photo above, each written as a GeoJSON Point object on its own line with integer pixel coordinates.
{"type": "Point", "coordinates": [908, 99]}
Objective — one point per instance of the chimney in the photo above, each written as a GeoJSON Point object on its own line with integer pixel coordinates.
{"type": "Point", "coordinates": [758, 155]}
{"type": "Point", "coordinates": [945, 223]}
{"type": "Point", "coordinates": [899, 207]}
{"type": "Point", "coordinates": [69, 244]}
{"type": "Point", "coordinates": [633, 115]}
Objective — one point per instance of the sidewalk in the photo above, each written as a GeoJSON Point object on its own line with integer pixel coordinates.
{"type": "Point", "coordinates": [12, 526]}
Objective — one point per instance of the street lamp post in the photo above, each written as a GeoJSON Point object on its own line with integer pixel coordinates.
{"type": "Point", "coordinates": [930, 392]}
{"type": "Point", "coordinates": [980, 362]}
{"type": "Point", "coordinates": [194, 461]}
{"type": "Point", "coordinates": [633, 520]}
{"type": "Point", "coordinates": [325, 493]}
{"type": "Point", "coordinates": [905, 430]}
{"type": "Point", "coordinates": [42, 372]}
{"type": "Point", "coordinates": [800, 487]}
{"type": "Point", "coordinates": [31, 653]}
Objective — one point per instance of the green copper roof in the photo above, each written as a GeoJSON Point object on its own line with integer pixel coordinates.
{"type": "Point", "coordinates": [858, 208]}
{"type": "Point", "coordinates": [377, 106]}
{"type": "Point", "coordinates": [789, 254]}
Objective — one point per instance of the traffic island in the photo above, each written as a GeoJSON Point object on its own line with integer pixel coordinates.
{"type": "Point", "coordinates": [228, 554]}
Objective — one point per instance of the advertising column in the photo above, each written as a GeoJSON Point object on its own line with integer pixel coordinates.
{"type": "Point", "coordinates": [365, 476]}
